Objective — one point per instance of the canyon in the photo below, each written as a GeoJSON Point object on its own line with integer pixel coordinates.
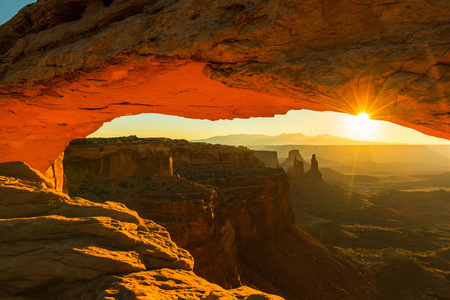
{"type": "Point", "coordinates": [228, 210]}
{"type": "Point", "coordinates": [78, 64]}
{"type": "Point", "coordinates": [58, 247]}
{"type": "Point", "coordinates": [232, 214]}
{"type": "Point", "coordinates": [401, 235]}
{"type": "Point", "coordinates": [67, 67]}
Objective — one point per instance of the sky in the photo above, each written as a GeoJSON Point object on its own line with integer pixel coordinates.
{"type": "Point", "coordinates": [8, 8]}
{"type": "Point", "coordinates": [310, 123]}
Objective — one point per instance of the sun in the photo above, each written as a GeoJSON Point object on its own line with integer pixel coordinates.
{"type": "Point", "coordinates": [362, 120]}
{"type": "Point", "coordinates": [361, 126]}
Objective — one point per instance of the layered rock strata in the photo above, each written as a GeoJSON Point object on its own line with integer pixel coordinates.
{"type": "Point", "coordinates": [107, 161]}
{"type": "Point", "coordinates": [293, 155]}
{"type": "Point", "coordinates": [54, 246]}
{"type": "Point", "coordinates": [188, 209]}
{"type": "Point", "coordinates": [76, 64]}
{"type": "Point", "coordinates": [294, 166]}
{"type": "Point", "coordinates": [235, 217]}
{"type": "Point", "coordinates": [269, 158]}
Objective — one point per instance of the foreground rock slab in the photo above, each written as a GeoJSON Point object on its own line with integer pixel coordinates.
{"type": "Point", "coordinates": [76, 64]}
{"type": "Point", "coordinates": [163, 284]}
{"type": "Point", "coordinates": [53, 245]}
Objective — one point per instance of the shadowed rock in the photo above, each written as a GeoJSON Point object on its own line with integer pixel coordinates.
{"type": "Point", "coordinates": [314, 171]}
{"type": "Point", "coordinates": [269, 158]}
{"type": "Point", "coordinates": [297, 169]}
{"type": "Point", "coordinates": [289, 162]}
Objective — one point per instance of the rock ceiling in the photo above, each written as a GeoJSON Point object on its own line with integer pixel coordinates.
{"type": "Point", "coordinates": [66, 67]}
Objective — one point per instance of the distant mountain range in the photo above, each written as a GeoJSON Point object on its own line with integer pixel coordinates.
{"type": "Point", "coordinates": [283, 139]}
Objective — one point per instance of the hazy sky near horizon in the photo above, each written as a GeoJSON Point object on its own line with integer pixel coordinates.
{"type": "Point", "coordinates": [310, 123]}
{"type": "Point", "coordinates": [307, 122]}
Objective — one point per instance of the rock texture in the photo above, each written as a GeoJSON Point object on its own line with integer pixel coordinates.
{"type": "Point", "coordinates": [191, 210]}
{"type": "Point", "coordinates": [76, 64]}
{"type": "Point", "coordinates": [402, 236]}
{"type": "Point", "coordinates": [294, 165]}
{"type": "Point", "coordinates": [162, 284]}
{"type": "Point", "coordinates": [56, 174]}
{"type": "Point", "coordinates": [314, 171]}
{"type": "Point", "coordinates": [297, 169]}
{"type": "Point", "coordinates": [293, 156]}
{"type": "Point", "coordinates": [269, 158]}
{"type": "Point", "coordinates": [116, 160]}
{"type": "Point", "coordinates": [254, 198]}
{"type": "Point", "coordinates": [54, 246]}
{"type": "Point", "coordinates": [235, 218]}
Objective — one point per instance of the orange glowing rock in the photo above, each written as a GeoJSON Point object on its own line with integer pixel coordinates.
{"type": "Point", "coordinates": [66, 68]}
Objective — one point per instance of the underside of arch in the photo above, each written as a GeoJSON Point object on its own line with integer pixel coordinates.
{"type": "Point", "coordinates": [63, 75]}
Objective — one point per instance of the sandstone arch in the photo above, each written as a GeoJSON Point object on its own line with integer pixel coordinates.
{"type": "Point", "coordinates": [68, 66]}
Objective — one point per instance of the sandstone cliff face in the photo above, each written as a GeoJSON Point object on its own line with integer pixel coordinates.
{"type": "Point", "coordinates": [184, 207]}
{"type": "Point", "coordinates": [269, 158]}
{"type": "Point", "coordinates": [235, 218]}
{"type": "Point", "coordinates": [185, 152]}
{"type": "Point", "coordinates": [294, 154]}
{"type": "Point", "coordinates": [115, 160]}
{"type": "Point", "coordinates": [193, 213]}
{"type": "Point", "coordinates": [54, 246]}
{"type": "Point", "coordinates": [74, 65]}
{"type": "Point", "coordinates": [255, 199]}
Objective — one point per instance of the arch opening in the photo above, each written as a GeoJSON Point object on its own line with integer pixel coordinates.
{"type": "Point", "coordinates": [312, 124]}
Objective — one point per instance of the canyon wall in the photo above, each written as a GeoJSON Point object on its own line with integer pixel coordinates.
{"type": "Point", "coordinates": [76, 64]}
{"type": "Point", "coordinates": [234, 216]}
{"type": "Point", "coordinates": [269, 158]}
{"type": "Point", "coordinates": [254, 198]}
{"type": "Point", "coordinates": [57, 247]}
{"type": "Point", "coordinates": [115, 160]}
{"type": "Point", "coordinates": [294, 154]}
{"type": "Point", "coordinates": [197, 211]}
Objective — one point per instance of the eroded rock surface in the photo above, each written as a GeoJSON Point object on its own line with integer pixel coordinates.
{"type": "Point", "coordinates": [191, 210]}
{"type": "Point", "coordinates": [49, 240]}
{"type": "Point", "coordinates": [73, 65]}
{"type": "Point", "coordinates": [235, 218]}
{"type": "Point", "coordinates": [269, 158]}
{"type": "Point", "coordinates": [54, 246]}
{"type": "Point", "coordinates": [294, 155]}
{"type": "Point", "coordinates": [109, 161]}
{"type": "Point", "coordinates": [56, 174]}
{"type": "Point", "coordinates": [402, 236]}
{"type": "Point", "coordinates": [163, 284]}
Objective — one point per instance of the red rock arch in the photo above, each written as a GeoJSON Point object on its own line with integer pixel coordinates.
{"type": "Point", "coordinates": [63, 76]}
